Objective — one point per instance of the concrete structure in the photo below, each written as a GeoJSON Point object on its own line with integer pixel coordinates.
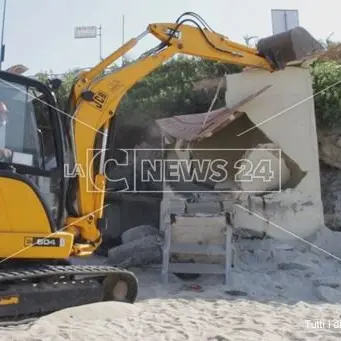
{"type": "Point", "coordinates": [268, 111]}
{"type": "Point", "coordinates": [285, 114]}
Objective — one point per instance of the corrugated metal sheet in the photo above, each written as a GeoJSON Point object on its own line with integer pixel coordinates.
{"type": "Point", "coordinates": [196, 127]}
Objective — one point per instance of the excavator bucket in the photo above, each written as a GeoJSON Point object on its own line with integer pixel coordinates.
{"type": "Point", "coordinates": [293, 45]}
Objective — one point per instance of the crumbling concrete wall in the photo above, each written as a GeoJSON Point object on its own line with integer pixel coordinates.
{"type": "Point", "coordinates": [282, 117]}
{"type": "Point", "coordinates": [285, 117]}
{"type": "Point", "coordinates": [285, 114]}
{"type": "Point", "coordinates": [273, 174]}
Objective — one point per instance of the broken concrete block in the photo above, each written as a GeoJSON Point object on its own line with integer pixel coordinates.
{"type": "Point", "coordinates": [327, 243]}
{"type": "Point", "coordinates": [270, 171]}
{"type": "Point", "coordinates": [203, 207]}
{"type": "Point", "coordinates": [244, 233]}
{"type": "Point", "coordinates": [328, 294]}
{"type": "Point", "coordinates": [139, 232]}
{"type": "Point", "coordinates": [330, 282]}
{"type": "Point", "coordinates": [235, 293]}
{"type": "Point", "coordinates": [284, 247]}
{"type": "Point", "coordinates": [291, 266]}
{"type": "Point", "coordinates": [284, 216]}
{"type": "Point", "coordinates": [139, 252]}
{"type": "Point", "coordinates": [177, 206]}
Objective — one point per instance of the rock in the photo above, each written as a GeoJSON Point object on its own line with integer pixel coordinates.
{"type": "Point", "coordinates": [291, 266]}
{"type": "Point", "coordinates": [328, 294]}
{"type": "Point", "coordinates": [235, 293]}
{"type": "Point", "coordinates": [327, 243]}
{"type": "Point", "coordinates": [139, 252]}
{"type": "Point", "coordinates": [139, 232]}
{"type": "Point", "coordinates": [245, 233]}
{"type": "Point", "coordinates": [283, 247]}
{"type": "Point", "coordinates": [329, 281]}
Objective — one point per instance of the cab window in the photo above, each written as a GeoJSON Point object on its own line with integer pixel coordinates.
{"type": "Point", "coordinates": [28, 134]}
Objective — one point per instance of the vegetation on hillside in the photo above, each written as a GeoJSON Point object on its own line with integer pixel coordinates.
{"type": "Point", "coordinates": [169, 90]}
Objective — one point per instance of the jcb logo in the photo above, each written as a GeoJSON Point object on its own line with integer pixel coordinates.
{"type": "Point", "coordinates": [99, 99]}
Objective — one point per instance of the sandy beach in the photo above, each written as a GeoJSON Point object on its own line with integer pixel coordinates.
{"type": "Point", "coordinates": [278, 293]}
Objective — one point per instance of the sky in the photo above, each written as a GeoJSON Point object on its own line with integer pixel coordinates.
{"type": "Point", "coordinates": [40, 33]}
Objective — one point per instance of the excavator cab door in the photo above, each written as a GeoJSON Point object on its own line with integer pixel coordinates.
{"type": "Point", "coordinates": [31, 156]}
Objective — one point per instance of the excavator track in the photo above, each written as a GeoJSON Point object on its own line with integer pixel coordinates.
{"type": "Point", "coordinates": [32, 292]}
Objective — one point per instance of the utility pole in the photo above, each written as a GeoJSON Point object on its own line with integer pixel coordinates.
{"type": "Point", "coordinates": [100, 42]}
{"type": "Point", "coordinates": [2, 56]}
{"type": "Point", "coordinates": [83, 32]}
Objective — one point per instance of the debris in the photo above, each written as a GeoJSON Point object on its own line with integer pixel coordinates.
{"type": "Point", "coordinates": [192, 287]}
{"type": "Point", "coordinates": [191, 127]}
{"type": "Point", "coordinates": [328, 294]}
{"type": "Point", "coordinates": [327, 243]}
{"type": "Point", "coordinates": [143, 251]}
{"type": "Point", "coordinates": [282, 215]}
{"type": "Point", "coordinates": [139, 232]}
{"type": "Point", "coordinates": [330, 282]}
{"type": "Point", "coordinates": [291, 266]}
{"type": "Point", "coordinates": [235, 293]}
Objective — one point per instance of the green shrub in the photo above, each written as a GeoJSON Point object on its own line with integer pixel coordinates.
{"type": "Point", "coordinates": [326, 77]}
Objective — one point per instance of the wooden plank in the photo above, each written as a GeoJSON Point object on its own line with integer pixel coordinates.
{"type": "Point", "coordinates": [208, 250]}
{"type": "Point", "coordinates": [197, 268]}
{"type": "Point", "coordinates": [205, 208]}
{"type": "Point", "coordinates": [199, 230]}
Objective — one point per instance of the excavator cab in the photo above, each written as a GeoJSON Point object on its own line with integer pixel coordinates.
{"type": "Point", "coordinates": [32, 184]}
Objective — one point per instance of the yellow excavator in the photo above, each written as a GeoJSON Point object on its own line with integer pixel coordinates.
{"type": "Point", "coordinates": [49, 214]}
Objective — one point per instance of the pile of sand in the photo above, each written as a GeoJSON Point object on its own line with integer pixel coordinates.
{"type": "Point", "coordinates": [279, 293]}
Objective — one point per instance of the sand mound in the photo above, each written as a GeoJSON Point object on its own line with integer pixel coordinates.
{"type": "Point", "coordinates": [287, 295]}
{"type": "Point", "coordinates": [96, 311]}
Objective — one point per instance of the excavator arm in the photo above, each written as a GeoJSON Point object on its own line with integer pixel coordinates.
{"type": "Point", "coordinates": [96, 99]}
